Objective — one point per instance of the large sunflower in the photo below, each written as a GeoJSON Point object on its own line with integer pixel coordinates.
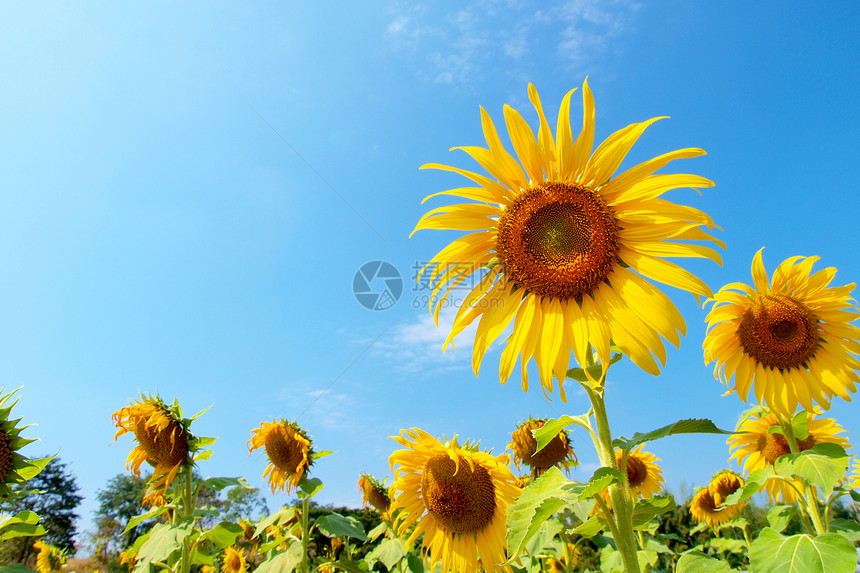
{"type": "Point", "coordinates": [289, 451]}
{"type": "Point", "coordinates": [556, 453]}
{"type": "Point", "coordinates": [50, 559]}
{"type": "Point", "coordinates": [756, 448]}
{"type": "Point", "coordinates": [15, 469]}
{"type": "Point", "coordinates": [561, 240]}
{"type": "Point", "coordinates": [164, 440]}
{"type": "Point", "coordinates": [788, 338]}
{"type": "Point", "coordinates": [705, 505]}
{"type": "Point", "coordinates": [457, 496]}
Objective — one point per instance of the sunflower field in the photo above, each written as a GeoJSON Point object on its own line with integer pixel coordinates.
{"type": "Point", "coordinates": [568, 255]}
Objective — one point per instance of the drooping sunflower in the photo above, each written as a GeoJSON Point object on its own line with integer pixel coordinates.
{"type": "Point", "coordinates": [164, 441]}
{"type": "Point", "coordinates": [705, 505]}
{"type": "Point", "coordinates": [373, 492]}
{"type": "Point", "coordinates": [233, 561]}
{"type": "Point", "coordinates": [15, 469]}
{"type": "Point", "coordinates": [457, 497]}
{"type": "Point", "coordinates": [756, 448]}
{"type": "Point", "coordinates": [567, 247]}
{"type": "Point", "coordinates": [789, 339]}
{"type": "Point", "coordinates": [289, 450]}
{"type": "Point", "coordinates": [556, 453]}
{"type": "Point", "coordinates": [50, 559]}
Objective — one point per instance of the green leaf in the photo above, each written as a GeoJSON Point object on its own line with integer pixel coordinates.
{"type": "Point", "coordinates": [551, 428]}
{"type": "Point", "coordinates": [309, 487]}
{"type": "Point", "coordinates": [377, 531]}
{"type": "Point", "coordinates": [542, 498]}
{"type": "Point", "coordinates": [778, 516]}
{"type": "Point", "coordinates": [591, 527]}
{"type": "Point", "coordinates": [224, 534]}
{"type": "Point", "coordinates": [282, 516]}
{"type": "Point", "coordinates": [219, 483]}
{"type": "Point", "coordinates": [337, 525]}
{"type": "Point", "coordinates": [282, 562]}
{"type": "Point", "coordinates": [822, 466]}
{"type": "Point", "coordinates": [698, 562]}
{"type": "Point", "coordinates": [22, 530]}
{"type": "Point", "coordinates": [600, 480]}
{"type": "Point", "coordinates": [755, 481]}
{"type": "Point", "coordinates": [848, 528]}
{"type": "Point", "coordinates": [799, 425]}
{"type": "Point", "coordinates": [828, 553]}
{"type": "Point", "coordinates": [163, 540]}
{"type": "Point", "coordinates": [389, 553]}
{"type": "Point", "coordinates": [15, 568]}
{"type": "Point", "coordinates": [596, 371]}
{"type": "Point", "coordinates": [647, 509]}
{"type": "Point", "coordinates": [690, 426]}
{"type": "Point", "coordinates": [415, 564]}
{"type": "Point", "coordinates": [134, 521]}
{"type": "Point", "coordinates": [33, 468]}
{"type": "Point", "coordinates": [548, 530]}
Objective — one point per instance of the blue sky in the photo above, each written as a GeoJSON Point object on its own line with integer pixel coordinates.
{"type": "Point", "coordinates": [188, 190]}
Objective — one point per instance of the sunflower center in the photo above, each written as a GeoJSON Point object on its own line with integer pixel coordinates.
{"type": "Point", "coordinates": [558, 240]}
{"type": "Point", "coordinates": [637, 473]}
{"type": "Point", "coordinates": [550, 455]}
{"type": "Point", "coordinates": [778, 331]}
{"type": "Point", "coordinates": [164, 445]}
{"type": "Point", "coordinates": [462, 502]}
{"type": "Point", "coordinates": [772, 446]}
{"type": "Point", "coordinates": [284, 451]}
{"type": "Point", "coordinates": [5, 455]}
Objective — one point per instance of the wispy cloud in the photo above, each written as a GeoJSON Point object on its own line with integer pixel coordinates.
{"type": "Point", "coordinates": [480, 38]}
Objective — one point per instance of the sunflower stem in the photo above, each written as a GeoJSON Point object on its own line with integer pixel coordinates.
{"type": "Point", "coordinates": [810, 494]}
{"type": "Point", "coordinates": [187, 511]}
{"type": "Point", "coordinates": [305, 533]}
{"type": "Point", "coordinates": [618, 493]}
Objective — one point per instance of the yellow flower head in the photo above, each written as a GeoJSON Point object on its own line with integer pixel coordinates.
{"type": "Point", "coordinates": [705, 506]}
{"type": "Point", "coordinates": [289, 451]}
{"type": "Point", "coordinates": [11, 462]}
{"type": "Point", "coordinates": [556, 452]}
{"type": "Point", "coordinates": [787, 339]}
{"type": "Point", "coordinates": [756, 448]}
{"type": "Point", "coordinates": [232, 561]}
{"type": "Point", "coordinates": [644, 476]}
{"type": "Point", "coordinates": [457, 497]}
{"type": "Point", "coordinates": [163, 437]}
{"type": "Point", "coordinates": [373, 492]}
{"type": "Point", "coordinates": [566, 247]}
{"type": "Point", "coordinates": [854, 480]}
{"type": "Point", "coordinates": [50, 559]}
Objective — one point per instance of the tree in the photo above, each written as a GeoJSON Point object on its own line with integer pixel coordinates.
{"type": "Point", "coordinates": [56, 504]}
{"type": "Point", "coordinates": [119, 501]}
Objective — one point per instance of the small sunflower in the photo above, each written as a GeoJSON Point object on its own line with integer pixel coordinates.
{"type": "Point", "coordinates": [373, 492]}
{"type": "Point", "coordinates": [567, 249]}
{"type": "Point", "coordinates": [789, 339]}
{"type": "Point", "coordinates": [232, 561]}
{"type": "Point", "coordinates": [289, 451]}
{"type": "Point", "coordinates": [457, 497]}
{"type": "Point", "coordinates": [556, 452]}
{"type": "Point", "coordinates": [705, 505]}
{"type": "Point", "coordinates": [756, 448]}
{"type": "Point", "coordinates": [164, 441]}
{"type": "Point", "coordinates": [50, 559]}
{"type": "Point", "coordinates": [854, 479]}
{"type": "Point", "coordinates": [644, 476]}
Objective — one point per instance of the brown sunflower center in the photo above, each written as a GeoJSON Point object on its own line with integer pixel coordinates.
{"type": "Point", "coordinates": [461, 502]}
{"type": "Point", "coordinates": [550, 455]}
{"type": "Point", "coordinates": [164, 446]}
{"type": "Point", "coordinates": [6, 454]}
{"type": "Point", "coordinates": [284, 451]}
{"type": "Point", "coordinates": [558, 240]}
{"type": "Point", "coordinates": [772, 446]}
{"type": "Point", "coordinates": [778, 331]}
{"type": "Point", "coordinates": [234, 562]}
{"type": "Point", "coordinates": [637, 472]}
{"type": "Point", "coordinates": [724, 486]}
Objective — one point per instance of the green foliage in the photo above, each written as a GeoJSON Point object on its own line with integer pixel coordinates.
{"type": "Point", "coordinates": [698, 562]}
{"type": "Point", "coordinates": [828, 553]}
{"type": "Point", "coordinates": [691, 426]}
{"type": "Point", "coordinates": [822, 466]}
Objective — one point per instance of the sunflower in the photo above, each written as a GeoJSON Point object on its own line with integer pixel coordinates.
{"type": "Point", "coordinates": [50, 559]}
{"type": "Point", "coordinates": [644, 476]}
{"type": "Point", "coordinates": [705, 505]}
{"type": "Point", "coordinates": [565, 250]}
{"type": "Point", "coordinates": [756, 448]}
{"type": "Point", "coordinates": [232, 561]}
{"type": "Point", "coordinates": [164, 441]}
{"type": "Point", "coordinates": [15, 469]}
{"type": "Point", "coordinates": [457, 496]}
{"type": "Point", "coordinates": [556, 452]}
{"type": "Point", "coordinates": [788, 339]}
{"type": "Point", "coordinates": [289, 451]}
{"type": "Point", "coordinates": [854, 479]}
{"type": "Point", "coordinates": [373, 492]}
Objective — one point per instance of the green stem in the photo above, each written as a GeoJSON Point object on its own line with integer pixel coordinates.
{"type": "Point", "coordinates": [305, 533]}
{"type": "Point", "coordinates": [810, 493]}
{"type": "Point", "coordinates": [187, 512]}
{"type": "Point", "coordinates": [624, 538]}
